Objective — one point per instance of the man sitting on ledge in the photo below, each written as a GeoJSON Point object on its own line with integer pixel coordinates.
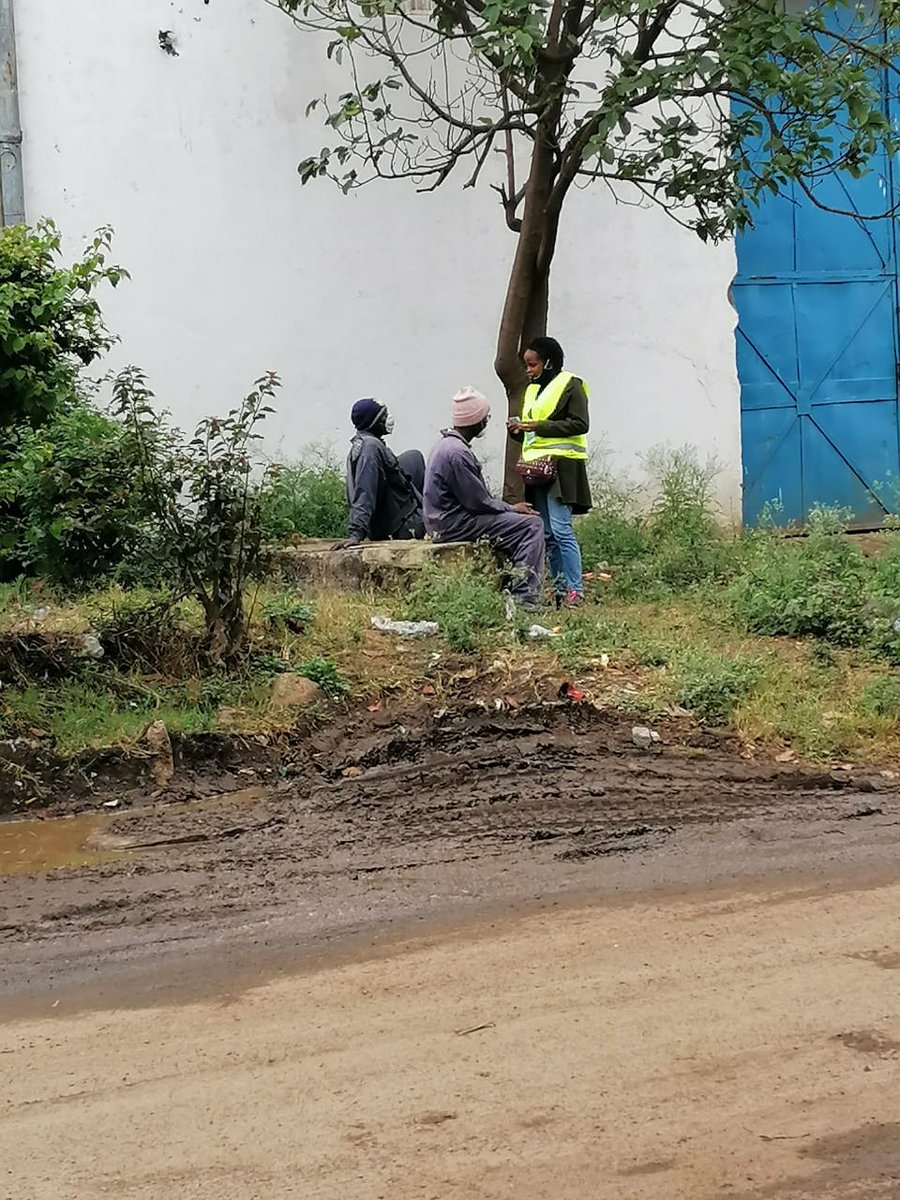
{"type": "Point", "coordinates": [459, 507]}
{"type": "Point", "coordinates": [384, 491]}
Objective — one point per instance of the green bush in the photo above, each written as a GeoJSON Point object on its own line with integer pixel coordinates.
{"type": "Point", "coordinates": [816, 586]}
{"type": "Point", "coordinates": [686, 545]}
{"type": "Point", "coordinates": [73, 506]}
{"type": "Point", "coordinates": [711, 686]}
{"type": "Point", "coordinates": [50, 323]}
{"type": "Point", "coordinates": [306, 499]}
{"type": "Point", "coordinates": [674, 545]}
{"type": "Point", "coordinates": [207, 495]}
{"type": "Point", "coordinates": [464, 599]}
{"type": "Point", "coordinates": [612, 533]}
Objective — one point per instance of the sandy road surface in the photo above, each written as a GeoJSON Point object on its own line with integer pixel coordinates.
{"type": "Point", "coordinates": [693, 990]}
{"type": "Point", "coordinates": [741, 1045]}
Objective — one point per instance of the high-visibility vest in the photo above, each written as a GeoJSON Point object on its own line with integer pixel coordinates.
{"type": "Point", "coordinates": [539, 405]}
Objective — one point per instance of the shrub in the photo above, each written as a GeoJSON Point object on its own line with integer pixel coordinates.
{"type": "Point", "coordinates": [208, 503]}
{"type": "Point", "coordinates": [72, 500]}
{"type": "Point", "coordinates": [463, 599]}
{"type": "Point", "coordinates": [885, 582]}
{"type": "Point", "coordinates": [50, 323]}
{"type": "Point", "coordinates": [686, 545]}
{"type": "Point", "coordinates": [612, 532]}
{"type": "Point", "coordinates": [306, 499]}
{"type": "Point", "coordinates": [674, 544]}
{"type": "Point", "coordinates": [711, 686]}
{"type": "Point", "coordinates": [805, 587]}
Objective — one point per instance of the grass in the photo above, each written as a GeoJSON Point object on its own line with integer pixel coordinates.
{"type": "Point", "coordinates": [464, 599]}
{"type": "Point", "coordinates": [100, 710]}
{"type": "Point", "coordinates": [653, 658]}
{"type": "Point", "coordinates": [789, 643]}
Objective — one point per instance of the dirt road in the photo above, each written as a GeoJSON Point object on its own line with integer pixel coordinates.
{"type": "Point", "coordinates": [380, 827]}
{"type": "Point", "coordinates": [503, 957]}
{"type": "Point", "coordinates": [742, 1046]}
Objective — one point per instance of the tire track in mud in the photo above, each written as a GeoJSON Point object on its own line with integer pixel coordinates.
{"type": "Point", "coordinates": [425, 808]}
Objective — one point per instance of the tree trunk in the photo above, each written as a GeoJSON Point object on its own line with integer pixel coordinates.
{"type": "Point", "coordinates": [527, 301]}
{"type": "Point", "coordinates": [534, 325]}
{"type": "Point", "coordinates": [226, 628]}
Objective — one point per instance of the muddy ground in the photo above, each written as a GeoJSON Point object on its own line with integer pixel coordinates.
{"type": "Point", "coordinates": [401, 820]}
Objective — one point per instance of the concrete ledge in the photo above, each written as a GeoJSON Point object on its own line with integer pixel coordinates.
{"type": "Point", "coordinates": [317, 564]}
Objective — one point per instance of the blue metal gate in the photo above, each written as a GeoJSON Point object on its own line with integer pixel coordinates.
{"type": "Point", "coordinates": [816, 294]}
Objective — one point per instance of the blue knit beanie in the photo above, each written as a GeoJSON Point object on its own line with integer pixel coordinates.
{"type": "Point", "coordinates": [365, 413]}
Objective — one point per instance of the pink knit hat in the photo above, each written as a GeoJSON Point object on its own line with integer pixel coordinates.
{"type": "Point", "coordinates": [469, 408]}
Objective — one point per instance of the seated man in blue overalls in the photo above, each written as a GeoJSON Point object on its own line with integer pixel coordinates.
{"type": "Point", "coordinates": [384, 491]}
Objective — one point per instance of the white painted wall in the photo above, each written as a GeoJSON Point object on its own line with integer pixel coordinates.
{"type": "Point", "coordinates": [237, 269]}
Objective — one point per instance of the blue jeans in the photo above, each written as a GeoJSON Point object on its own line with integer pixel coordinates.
{"type": "Point", "coordinates": [563, 551]}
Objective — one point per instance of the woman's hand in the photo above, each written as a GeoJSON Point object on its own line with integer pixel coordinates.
{"type": "Point", "coordinates": [526, 510]}
{"type": "Point", "coordinates": [526, 426]}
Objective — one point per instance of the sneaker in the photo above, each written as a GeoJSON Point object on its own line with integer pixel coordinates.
{"type": "Point", "coordinates": [573, 600]}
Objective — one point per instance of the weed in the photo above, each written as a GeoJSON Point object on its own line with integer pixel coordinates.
{"type": "Point", "coordinates": [15, 595]}
{"type": "Point", "coordinates": [326, 674]}
{"type": "Point", "coordinates": [822, 655]}
{"type": "Point", "coordinates": [270, 664]}
{"type": "Point", "coordinates": [647, 705]}
{"type": "Point", "coordinates": [306, 498]}
{"type": "Point", "coordinates": [612, 533]}
{"type": "Point", "coordinates": [142, 629]}
{"type": "Point", "coordinates": [673, 545]}
{"type": "Point", "coordinates": [289, 610]}
{"type": "Point", "coordinates": [686, 545]}
{"type": "Point", "coordinates": [712, 685]}
{"type": "Point", "coordinates": [464, 599]}
{"type": "Point", "coordinates": [881, 697]}
{"type": "Point", "coordinates": [809, 587]}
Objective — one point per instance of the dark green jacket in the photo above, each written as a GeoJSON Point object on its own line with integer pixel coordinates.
{"type": "Point", "coordinates": [569, 419]}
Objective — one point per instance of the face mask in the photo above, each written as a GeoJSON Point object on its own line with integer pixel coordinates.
{"type": "Point", "coordinates": [389, 425]}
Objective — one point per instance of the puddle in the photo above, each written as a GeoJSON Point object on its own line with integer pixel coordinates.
{"type": "Point", "coordinates": [29, 847]}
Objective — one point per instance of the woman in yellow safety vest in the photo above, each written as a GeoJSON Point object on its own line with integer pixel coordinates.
{"type": "Point", "coordinates": [552, 429]}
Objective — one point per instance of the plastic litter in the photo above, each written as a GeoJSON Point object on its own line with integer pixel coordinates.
{"type": "Point", "coordinates": [540, 632]}
{"type": "Point", "coordinates": [405, 628]}
{"type": "Point", "coordinates": [90, 644]}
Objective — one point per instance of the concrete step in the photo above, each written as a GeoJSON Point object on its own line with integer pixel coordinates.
{"type": "Point", "coordinates": [317, 564]}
